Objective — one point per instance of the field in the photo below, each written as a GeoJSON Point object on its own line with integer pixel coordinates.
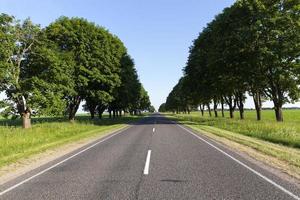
{"type": "Point", "coordinates": [49, 132]}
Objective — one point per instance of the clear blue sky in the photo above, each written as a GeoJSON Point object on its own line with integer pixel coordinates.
{"type": "Point", "coordinates": [157, 33]}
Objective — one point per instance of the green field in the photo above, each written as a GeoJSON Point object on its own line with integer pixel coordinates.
{"type": "Point", "coordinates": [286, 133]}
{"type": "Point", "coordinates": [49, 132]}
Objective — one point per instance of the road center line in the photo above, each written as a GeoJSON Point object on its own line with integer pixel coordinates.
{"type": "Point", "coordinates": [153, 130]}
{"type": "Point", "coordinates": [61, 162]}
{"type": "Point", "coordinates": [243, 164]}
{"type": "Point", "coordinates": [146, 169]}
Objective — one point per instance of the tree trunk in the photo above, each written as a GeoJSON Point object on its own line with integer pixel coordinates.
{"type": "Point", "coordinates": [120, 113]}
{"type": "Point", "coordinates": [215, 108]}
{"type": "Point", "coordinates": [100, 110]}
{"type": "Point", "coordinates": [231, 104]}
{"type": "Point", "coordinates": [241, 109]}
{"type": "Point", "coordinates": [26, 120]}
{"type": "Point", "coordinates": [278, 110]}
{"type": "Point", "coordinates": [202, 109]}
{"type": "Point", "coordinates": [278, 113]}
{"type": "Point", "coordinates": [277, 98]}
{"type": "Point", "coordinates": [240, 104]}
{"type": "Point", "coordinates": [231, 112]}
{"type": "Point", "coordinates": [114, 113]}
{"type": "Point", "coordinates": [258, 104]}
{"type": "Point", "coordinates": [222, 107]}
{"type": "Point", "coordinates": [109, 111]}
{"type": "Point", "coordinates": [92, 110]}
{"type": "Point", "coordinates": [209, 110]}
{"type": "Point", "coordinates": [73, 107]}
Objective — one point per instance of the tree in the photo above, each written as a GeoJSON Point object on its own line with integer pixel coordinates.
{"type": "Point", "coordinates": [18, 39]}
{"type": "Point", "coordinates": [151, 109]}
{"type": "Point", "coordinates": [162, 108]}
{"type": "Point", "coordinates": [126, 96]}
{"type": "Point", "coordinates": [279, 40]}
{"type": "Point", "coordinates": [144, 100]}
{"type": "Point", "coordinates": [96, 55]}
{"type": "Point", "coordinates": [252, 46]}
{"type": "Point", "coordinates": [47, 75]}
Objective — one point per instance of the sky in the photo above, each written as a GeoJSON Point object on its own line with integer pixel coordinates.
{"type": "Point", "coordinates": [157, 33]}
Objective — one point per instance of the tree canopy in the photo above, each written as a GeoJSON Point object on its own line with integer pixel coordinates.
{"type": "Point", "coordinates": [50, 71]}
{"type": "Point", "coordinates": [251, 47]}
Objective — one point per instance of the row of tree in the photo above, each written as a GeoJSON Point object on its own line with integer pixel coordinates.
{"type": "Point", "coordinates": [51, 70]}
{"type": "Point", "coordinates": [251, 47]}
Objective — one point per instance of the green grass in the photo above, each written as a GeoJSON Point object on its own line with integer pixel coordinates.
{"type": "Point", "coordinates": [48, 132]}
{"type": "Point", "coordinates": [285, 133]}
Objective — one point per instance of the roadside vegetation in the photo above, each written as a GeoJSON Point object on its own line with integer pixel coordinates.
{"type": "Point", "coordinates": [286, 133]}
{"type": "Point", "coordinates": [52, 70]}
{"type": "Point", "coordinates": [250, 48]}
{"type": "Point", "coordinates": [48, 132]}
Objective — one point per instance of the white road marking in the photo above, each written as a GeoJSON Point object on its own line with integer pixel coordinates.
{"type": "Point", "coordinates": [244, 165]}
{"type": "Point", "coordinates": [61, 162]}
{"type": "Point", "coordinates": [146, 169]}
{"type": "Point", "coordinates": [153, 130]}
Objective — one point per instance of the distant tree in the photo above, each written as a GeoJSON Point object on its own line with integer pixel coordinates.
{"type": "Point", "coordinates": [162, 108]}
{"type": "Point", "coordinates": [126, 96]}
{"type": "Point", "coordinates": [151, 109]}
{"type": "Point", "coordinates": [144, 100]}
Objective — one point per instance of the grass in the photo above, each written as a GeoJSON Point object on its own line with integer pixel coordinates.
{"type": "Point", "coordinates": [48, 132]}
{"type": "Point", "coordinates": [280, 141]}
{"type": "Point", "coordinates": [285, 133]}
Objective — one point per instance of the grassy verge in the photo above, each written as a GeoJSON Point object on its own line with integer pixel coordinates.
{"type": "Point", "coordinates": [277, 140]}
{"type": "Point", "coordinates": [46, 133]}
{"type": "Point", "coordinates": [286, 133]}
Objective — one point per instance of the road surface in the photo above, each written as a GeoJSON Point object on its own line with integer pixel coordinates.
{"type": "Point", "coordinates": [153, 159]}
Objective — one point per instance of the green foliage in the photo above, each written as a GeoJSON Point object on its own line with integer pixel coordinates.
{"type": "Point", "coordinates": [144, 100]}
{"type": "Point", "coordinates": [127, 95]}
{"type": "Point", "coordinates": [252, 46]}
{"type": "Point", "coordinates": [96, 54]}
{"type": "Point", "coordinates": [162, 108]}
{"type": "Point", "coordinates": [51, 71]}
{"type": "Point", "coordinates": [18, 40]}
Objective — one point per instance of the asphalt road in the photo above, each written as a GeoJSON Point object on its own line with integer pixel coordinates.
{"type": "Point", "coordinates": [180, 166]}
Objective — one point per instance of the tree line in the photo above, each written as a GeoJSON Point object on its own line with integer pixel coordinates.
{"type": "Point", "coordinates": [252, 47]}
{"type": "Point", "coordinates": [51, 70]}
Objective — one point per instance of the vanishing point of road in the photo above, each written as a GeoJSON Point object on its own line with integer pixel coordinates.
{"type": "Point", "coordinates": [154, 158]}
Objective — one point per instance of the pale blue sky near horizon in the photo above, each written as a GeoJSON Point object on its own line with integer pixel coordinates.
{"type": "Point", "coordinates": [157, 33]}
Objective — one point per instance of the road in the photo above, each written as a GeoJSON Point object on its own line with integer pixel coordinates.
{"type": "Point", "coordinates": [153, 159]}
